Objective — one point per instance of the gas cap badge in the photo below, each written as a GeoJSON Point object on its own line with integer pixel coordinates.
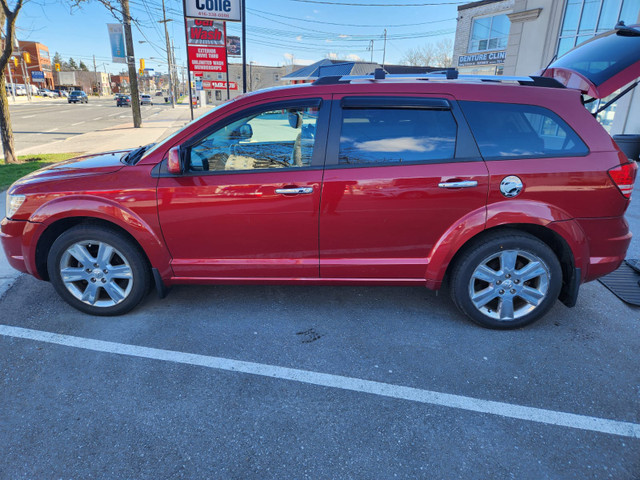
{"type": "Point", "coordinates": [511, 186]}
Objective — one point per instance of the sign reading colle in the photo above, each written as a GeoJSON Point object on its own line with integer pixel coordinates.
{"type": "Point", "coordinates": [482, 59]}
{"type": "Point", "coordinates": [228, 10]}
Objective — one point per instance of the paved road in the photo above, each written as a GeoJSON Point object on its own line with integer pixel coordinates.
{"type": "Point", "coordinates": [50, 121]}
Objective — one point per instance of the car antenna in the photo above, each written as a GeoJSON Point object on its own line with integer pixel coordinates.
{"type": "Point", "coordinates": [548, 65]}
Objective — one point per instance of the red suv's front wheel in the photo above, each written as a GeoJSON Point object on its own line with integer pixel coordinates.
{"type": "Point", "coordinates": [506, 280]}
{"type": "Point", "coordinates": [98, 271]}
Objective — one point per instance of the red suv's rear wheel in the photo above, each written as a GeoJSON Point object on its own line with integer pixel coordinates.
{"type": "Point", "coordinates": [508, 280]}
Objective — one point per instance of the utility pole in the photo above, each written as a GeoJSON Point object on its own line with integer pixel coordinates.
{"type": "Point", "coordinates": [244, 46]}
{"type": "Point", "coordinates": [13, 85]}
{"type": "Point", "coordinates": [131, 63]}
{"type": "Point", "coordinates": [166, 36]}
{"type": "Point", "coordinates": [95, 71]}
{"type": "Point", "coordinates": [371, 48]}
{"type": "Point", "coordinates": [384, 51]}
{"type": "Point", "coordinates": [174, 71]}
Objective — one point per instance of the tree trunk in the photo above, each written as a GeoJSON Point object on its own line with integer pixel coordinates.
{"type": "Point", "coordinates": [131, 61]}
{"type": "Point", "coordinates": [6, 132]}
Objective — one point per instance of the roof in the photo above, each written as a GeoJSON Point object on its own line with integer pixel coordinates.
{"type": "Point", "coordinates": [328, 68]}
{"type": "Point", "coordinates": [478, 4]}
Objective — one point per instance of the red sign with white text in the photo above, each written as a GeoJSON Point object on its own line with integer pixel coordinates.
{"type": "Point", "coordinates": [207, 59]}
{"type": "Point", "coordinates": [217, 85]}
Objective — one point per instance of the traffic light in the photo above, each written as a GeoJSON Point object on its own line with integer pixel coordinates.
{"type": "Point", "coordinates": [27, 57]}
{"type": "Point", "coordinates": [57, 67]}
{"type": "Point", "coordinates": [142, 64]}
{"type": "Point", "coordinates": [141, 72]}
{"type": "Point", "coordinates": [15, 61]}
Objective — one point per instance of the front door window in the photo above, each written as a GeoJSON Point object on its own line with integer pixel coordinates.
{"type": "Point", "coordinates": [273, 139]}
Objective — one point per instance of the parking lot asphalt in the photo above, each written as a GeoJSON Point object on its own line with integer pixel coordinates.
{"type": "Point", "coordinates": [317, 382]}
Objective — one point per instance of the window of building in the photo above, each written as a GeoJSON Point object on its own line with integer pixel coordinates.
{"type": "Point", "coordinates": [489, 33]}
{"type": "Point", "coordinates": [276, 77]}
{"type": "Point", "coordinates": [44, 53]}
{"type": "Point", "coordinates": [506, 130]}
{"type": "Point", "coordinates": [585, 18]}
{"type": "Point", "coordinates": [396, 135]}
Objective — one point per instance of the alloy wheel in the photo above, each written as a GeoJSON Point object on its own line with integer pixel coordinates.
{"type": "Point", "coordinates": [96, 273]}
{"type": "Point", "coordinates": [509, 285]}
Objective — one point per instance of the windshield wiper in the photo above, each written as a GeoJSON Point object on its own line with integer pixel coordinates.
{"type": "Point", "coordinates": [134, 155]}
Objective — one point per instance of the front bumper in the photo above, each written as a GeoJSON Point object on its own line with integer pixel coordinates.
{"type": "Point", "coordinates": [11, 232]}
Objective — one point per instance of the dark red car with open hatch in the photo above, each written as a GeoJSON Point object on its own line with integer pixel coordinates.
{"type": "Point", "coordinates": [506, 189]}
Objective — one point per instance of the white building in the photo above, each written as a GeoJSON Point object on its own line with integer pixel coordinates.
{"type": "Point", "coordinates": [521, 37]}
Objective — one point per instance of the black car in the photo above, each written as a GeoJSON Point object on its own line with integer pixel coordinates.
{"type": "Point", "coordinates": [78, 96]}
{"type": "Point", "coordinates": [123, 101]}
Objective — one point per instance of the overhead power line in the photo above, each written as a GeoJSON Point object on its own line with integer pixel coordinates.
{"type": "Point", "coordinates": [322, 2]}
{"type": "Point", "coordinates": [387, 25]}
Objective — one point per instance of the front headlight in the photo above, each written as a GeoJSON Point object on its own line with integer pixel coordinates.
{"type": "Point", "coordinates": [13, 204]}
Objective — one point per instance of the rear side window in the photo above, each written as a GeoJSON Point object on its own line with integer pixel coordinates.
{"type": "Point", "coordinates": [375, 136]}
{"type": "Point", "coordinates": [506, 130]}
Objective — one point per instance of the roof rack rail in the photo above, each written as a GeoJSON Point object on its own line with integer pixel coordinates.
{"type": "Point", "coordinates": [449, 74]}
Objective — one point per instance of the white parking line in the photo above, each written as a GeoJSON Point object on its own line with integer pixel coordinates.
{"type": "Point", "coordinates": [27, 116]}
{"type": "Point", "coordinates": [52, 130]}
{"type": "Point", "coordinates": [520, 412]}
{"type": "Point", "coordinates": [99, 118]}
{"type": "Point", "coordinates": [79, 123]}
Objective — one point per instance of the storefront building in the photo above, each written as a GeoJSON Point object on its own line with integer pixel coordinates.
{"type": "Point", "coordinates": [521, 37]}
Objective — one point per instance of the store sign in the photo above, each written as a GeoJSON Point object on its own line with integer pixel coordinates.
{"type": "Point", "coordinates": [482, 59]}
{"type": "Point", "coordinates": [206, 46]}
{"type": "Point", "coordinates": [206, 59]}
{"type": "Point", "coordinates": [228, 10]}
{"type": "Point", "coordinates": [215, 85]}
{"type": "Point", "coordinates": [37, 76]}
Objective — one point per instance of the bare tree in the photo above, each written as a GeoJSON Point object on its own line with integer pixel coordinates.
{"type": "Point", "coordinates": [7, 38]}
{"type": "Point", "coordinates": [438, 54]}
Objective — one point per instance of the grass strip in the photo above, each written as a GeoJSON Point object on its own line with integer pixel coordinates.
{"type": "Point", "coordinates": [9, 173]}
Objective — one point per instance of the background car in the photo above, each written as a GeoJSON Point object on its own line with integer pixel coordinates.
{"type": "Point", "coordinates": [44, 92]}
{"type": "Point", "coordinates": [123, 101]}
{"type": "Point", "coordinates": [78, 96]}
{"type": "Point", "coordinates": [146, 99]}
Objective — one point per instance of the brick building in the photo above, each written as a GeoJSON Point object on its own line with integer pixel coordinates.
{"type": "Point", "coordinates": [39, 61]}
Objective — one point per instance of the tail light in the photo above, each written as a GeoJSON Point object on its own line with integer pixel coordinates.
{"type": "Point", "coordinates": [624, 176]}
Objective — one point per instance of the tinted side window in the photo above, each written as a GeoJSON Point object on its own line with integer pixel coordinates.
{"type": "Point", "coordinates": [506, 130]}
{"type": "Point", "coordinates": [282, 138]}
{"type": "Point", "coordinates": [396, 135]}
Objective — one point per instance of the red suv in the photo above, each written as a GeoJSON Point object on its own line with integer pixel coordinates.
{"type": "Point", "coordinates": [507, 189]}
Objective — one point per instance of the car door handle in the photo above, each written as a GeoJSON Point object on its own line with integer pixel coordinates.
{"type": "Point", "coordinates": [461, 184]}
{"type": "Point", "coordinates": [295, 190]}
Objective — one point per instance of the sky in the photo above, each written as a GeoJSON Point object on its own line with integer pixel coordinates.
{"type": "Point", "coordinates": [278, 31]}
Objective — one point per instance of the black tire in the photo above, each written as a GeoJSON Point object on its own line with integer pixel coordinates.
{"type": "Point", "coordinates": [132, 279]}
{"type": "Point", "coordinates": [479, 272]}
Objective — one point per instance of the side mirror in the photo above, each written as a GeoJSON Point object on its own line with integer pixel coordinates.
{"type": "Point", "coordinates": [174, 165]}
{"type": "Point", "coordinates": [243, 132]}
{"type": "Point", "coordinates": [295, 118]}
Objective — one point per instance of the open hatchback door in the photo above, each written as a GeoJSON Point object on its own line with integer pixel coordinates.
{"type": "Point", "coordinates": [602, 65]}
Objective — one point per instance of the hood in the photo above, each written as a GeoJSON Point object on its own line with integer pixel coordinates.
{"type": "Point", "coordinates": [99, 164]}
{"type": "Point", "coordinates": [601, 65]}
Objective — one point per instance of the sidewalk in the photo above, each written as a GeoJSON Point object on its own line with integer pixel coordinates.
{"type": "Point", "coordinates": [122, 136]}
{"type": "Point", "coordinates": [119, 137]}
